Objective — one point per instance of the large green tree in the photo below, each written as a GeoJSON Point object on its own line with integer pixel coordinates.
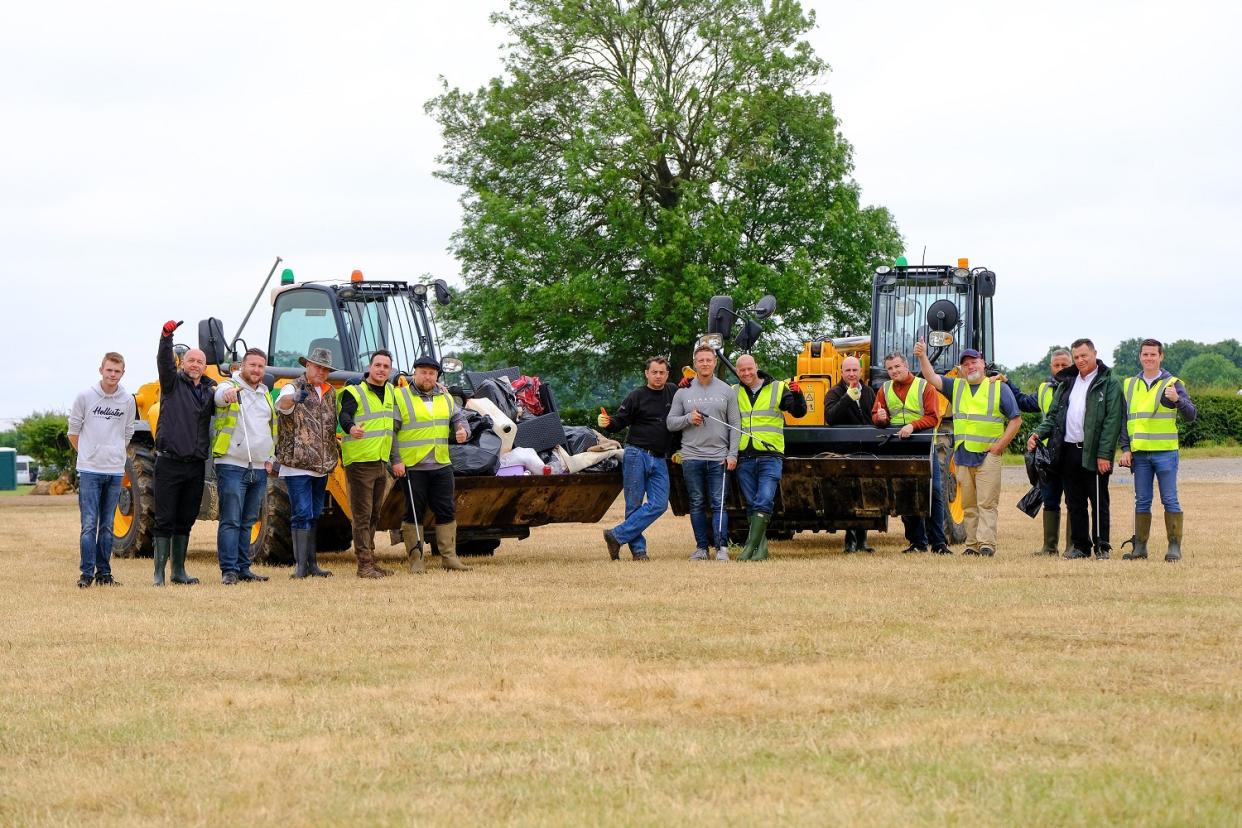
{"type": "Point", "coordinates": [639, 156]}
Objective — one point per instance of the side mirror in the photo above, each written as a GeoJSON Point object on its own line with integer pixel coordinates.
{"type": "Point", "coordinates": [443, 294]}
{"type": "Point", "coordinates": [942, 315]}
{"type": "Point", "coordinates": [764, 308]}
{"type": "Point", "coordinates": [211, 341]}
{"type": "Point", "coordinates": [720, 315]}
{"type": "Point", "coordinates": [451, 365]}
{"type": "Point", "coordinates": [749, 334]}
{"type": "Point", "coordinates": [985, 284]}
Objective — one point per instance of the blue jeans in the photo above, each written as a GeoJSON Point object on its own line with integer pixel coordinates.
{"type": "Point", "coordinates": [705, 488]}
{"type": "Point", "coordinates": [241, 497]}
{"type": "Point", "coordinates": [759, 478]}
{"type": "Point", "coordinates": [645, 476]}
{"type": "Point", "coordinates": [305, 499]}
{"type": "Point", "coordinates": [97, 496]}
{"type": "Point", "coordinates": [1157, 465]}
{"type": "Point", "coordinates": [921, 530]}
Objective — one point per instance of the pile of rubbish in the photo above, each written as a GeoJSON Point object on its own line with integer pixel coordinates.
{"type": "Point", "coordinates": [516, 430]}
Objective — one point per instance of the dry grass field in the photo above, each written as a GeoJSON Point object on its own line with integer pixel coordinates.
{"type": "Point", "coordinates": [551, 686]}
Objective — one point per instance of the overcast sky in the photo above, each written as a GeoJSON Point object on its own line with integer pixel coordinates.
{"type": "Point", "coordinates": [157, 157]}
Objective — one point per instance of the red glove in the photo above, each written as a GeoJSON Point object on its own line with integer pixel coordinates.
{"type": "Point", "coordinates": [171, 326]}
{"type": "Point", "coordinates": [685, 383]}
{"type": "Point", "coordinates": [794, 387]}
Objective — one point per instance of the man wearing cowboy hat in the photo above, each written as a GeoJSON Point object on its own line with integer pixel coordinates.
{"type": "Point", "coordinates": [426, 414]}
{"type": "Point", "coordinates": [306, 451]}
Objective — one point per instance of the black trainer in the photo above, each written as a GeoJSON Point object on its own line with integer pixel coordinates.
{"type": "Point", "coordinates": [229, 578]}
{"type": "Point", "coordinates": [1076, 554]}
{"type": "Point", "coordinates": [106, 580]}
{"type": "Point", "coordinates": [913, 548]}
{"type": "Point", "coordinates": [247, 575]}
{"type": "Point", "coordinates": [987, 551]}
{"type": "Point", "coordinates": [970, 550]}
{"type": "Point", "coordinates": [942, 550]}
{"type": "Point", "coordinates": [84, 582]}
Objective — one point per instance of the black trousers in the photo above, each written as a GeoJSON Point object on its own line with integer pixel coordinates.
{"type": "Point", "coordinates": [178, 494]}
{"type": "Point", "coordinates": [1083, 488]}
{"type": "Point", "coordinates": [431, 487]}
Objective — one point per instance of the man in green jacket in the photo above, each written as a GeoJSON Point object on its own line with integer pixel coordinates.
{"type": "Point", "coordinates": [1084, 424]}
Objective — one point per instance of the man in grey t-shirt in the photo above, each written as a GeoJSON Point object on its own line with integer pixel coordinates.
{"type": "Point", "coordinates": [706, 414]}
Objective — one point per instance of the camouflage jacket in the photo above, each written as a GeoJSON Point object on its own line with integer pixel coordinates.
{"type": "Point", "coordinates": [306, 436]}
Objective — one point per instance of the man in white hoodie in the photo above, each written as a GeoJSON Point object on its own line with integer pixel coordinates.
{"type": "Point", "coordinates": [100, 426]}
{"type": "Point", "coordinates": [244, 445]}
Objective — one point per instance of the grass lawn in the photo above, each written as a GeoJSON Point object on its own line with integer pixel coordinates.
{"type": "Point", "coordinates": [553, 686]}
{"type": "Point", "coordinates": [20, 490]}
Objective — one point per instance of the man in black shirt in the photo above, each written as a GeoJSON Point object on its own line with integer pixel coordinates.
{"type": "Point", "coordinates": [849, 403]}
{"type": "Point", "coordinates": [182, 447]}
{"type": "Point", "coordinates": [645, 412]}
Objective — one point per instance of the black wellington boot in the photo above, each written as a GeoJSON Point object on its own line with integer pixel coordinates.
{"type": "Point", "coordinates": [162, 546]}
{"type": "Point", "coordinates": [180, 545]}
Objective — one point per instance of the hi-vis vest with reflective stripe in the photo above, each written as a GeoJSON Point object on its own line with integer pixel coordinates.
{"type": "Point", "coordinates": [423, 430]}
{"type": "Point", "coordinates": [1152, 426]}
{"type": "Point", "coordinates": [225, 423]}
{"type": "Point", "coordinates": [977, 418]}
{"type": "Point", "coordinates": [1045, 394]}
{"type": "Point", "coordinates": [902, 412]}
{"type": "Point", "coordinates": [764, 420]}
{"type": "Point", "coordinates": [376, 419]}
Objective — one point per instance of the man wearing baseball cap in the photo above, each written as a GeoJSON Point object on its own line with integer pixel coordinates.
{"type": "Point", "coordinates": [985, 419]}
{"type": "Point", "coordinates": [426, 415]}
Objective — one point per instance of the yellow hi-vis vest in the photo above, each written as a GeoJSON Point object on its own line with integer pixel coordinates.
{"type": "Point", "coordinates": [1152, 427]}
{"type": "Point", "coordinates": [1047, 390]}
{"type": "Point", "coordinates": [977, 418]}
{"type": "Point", "coordinates": [764, 420]}
{"type": "Point", "coordinates": [902, 412]}
{"type": "Point", "coordinates": [423, 430]}
{"type": "Point", "coordinates": [373, 417]}
{"type": "Point", "coordinates": [225, 422]}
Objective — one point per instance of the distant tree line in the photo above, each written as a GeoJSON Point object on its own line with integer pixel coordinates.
{"type": "Point", "coordinates": [1200, 366]}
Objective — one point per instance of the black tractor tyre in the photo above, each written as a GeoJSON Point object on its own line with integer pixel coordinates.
{"type": "Point", "coordinates": [274, 545]}
{"type": "Point", "coordinates": [135, 509]}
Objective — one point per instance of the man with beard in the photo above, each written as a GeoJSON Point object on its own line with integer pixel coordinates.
{"type": "Point", "coordinates": [985, 420]}
{"type": "Point", "coordinates": [426, 413]}
{"type": "Point", "coordinates": [182, 446]}
{"type": "Point", "coordinates": [244, 447]}
{"type": "Point", "coordinates": [849, 403]}
{"type": "Point", "coordinates": [1085, 425]}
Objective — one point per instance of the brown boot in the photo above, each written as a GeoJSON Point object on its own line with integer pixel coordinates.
{"type": "Point", "coordinates": [446, 542]}
{"type": "Point", "coordinates": [411, 534]}
{"type": "Point", "coordinates": [366, 563]}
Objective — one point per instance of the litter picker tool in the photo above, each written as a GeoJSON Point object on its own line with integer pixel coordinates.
{"type": "Point", "coordinates": [742, 432]}
{"type": "Point", "coordinates": [418, 524]}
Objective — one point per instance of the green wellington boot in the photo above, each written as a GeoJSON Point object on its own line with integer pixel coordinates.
{"type": "Point", "coordinates": [180, 543]}
{"type": "Point", "coordinates": [752, 539]}
{"type": "Point", "coordinates": [1052, 528]}
{"type": "Point", "coordinates": [312, 554]}
{"type": "Point", "coordinates": [1173, 526]}
{"type": "Point", "coordinates": [162, 546]}
{"type": "Point", "coordinates": [1142, 531]}
{"type": "Point", "coordinates": [761, 550]}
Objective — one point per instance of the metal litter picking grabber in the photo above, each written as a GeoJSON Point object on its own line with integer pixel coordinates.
{"type": "Point", "coordinates": [418, 524]}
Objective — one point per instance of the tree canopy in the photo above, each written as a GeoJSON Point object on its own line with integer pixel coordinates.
{"type": "Point", "coordinates": [640, 156]}
{"type": "Point", "coordinates": [1183, 356]}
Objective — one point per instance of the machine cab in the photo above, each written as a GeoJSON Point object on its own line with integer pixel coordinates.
{"type": "Point", "coordinates": [948, 307]}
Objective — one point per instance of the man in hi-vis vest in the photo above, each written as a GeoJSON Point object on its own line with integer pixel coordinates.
{"type": "Point", "coordinates": [426, 416]}
{"type": "Point", "coordinates": [761, 448]}
{"type": "Point", "coordinates": [367, 414]}
{"type": "Point", "coordinates": [244, 446]}
{"type": "Point", "coordinates": [985, 420]}
{"type": "Point", "coordinates": [1151, 401]}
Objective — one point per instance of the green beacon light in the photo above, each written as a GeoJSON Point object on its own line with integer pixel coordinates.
{"type": "Point", "coordinates": [286, 276]}
{"type": "Point", "coordinates": [901, 262]}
